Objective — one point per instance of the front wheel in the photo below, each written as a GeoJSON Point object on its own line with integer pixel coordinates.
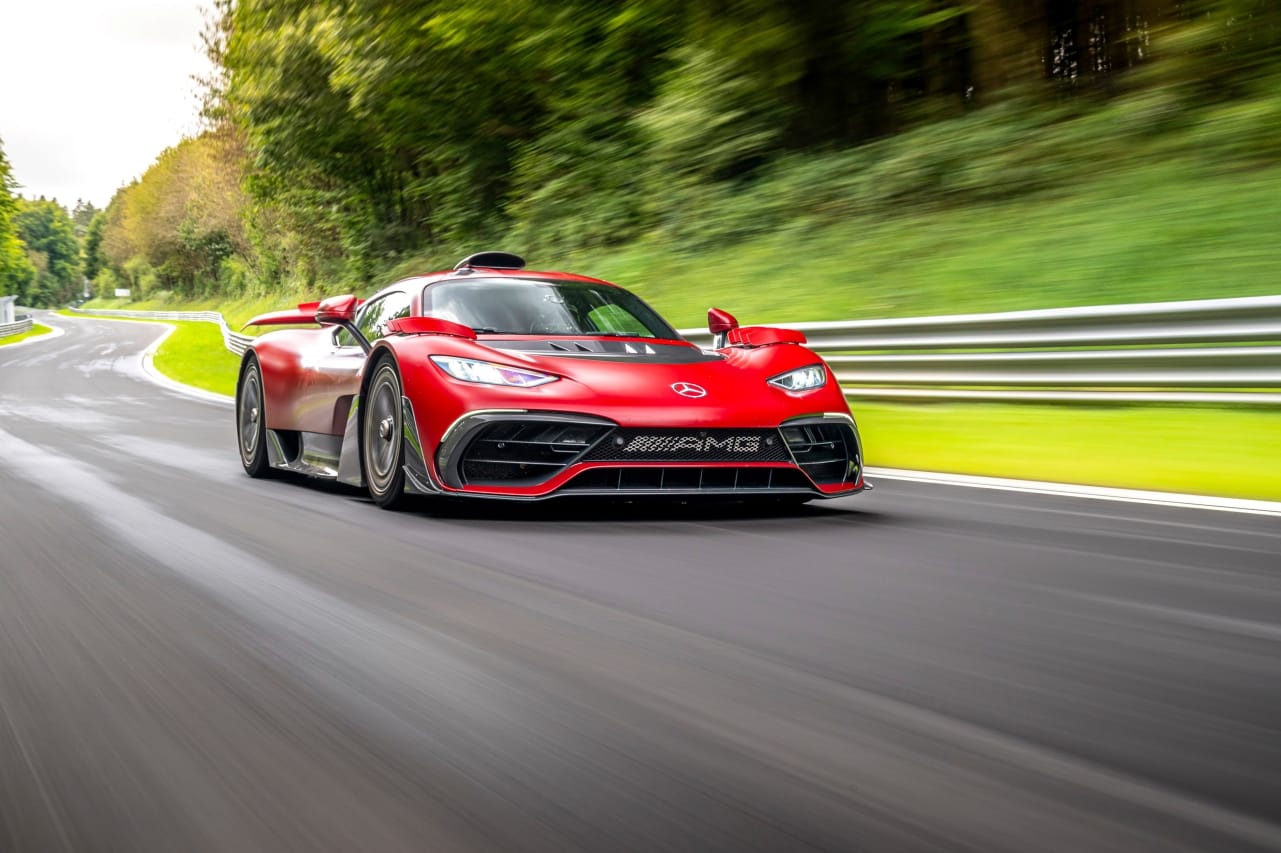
{"type": "Point", "coordinates": [382, 453]}
{"type": "Point", "coordinates": [251, 421]}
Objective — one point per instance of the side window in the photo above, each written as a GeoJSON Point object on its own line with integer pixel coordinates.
{"type": "Point", "coordinates": [367, 318]}
{"type": "Point", "coordinates": [373, 317]}
{"type": "Point", "coordinates": [395, 307]}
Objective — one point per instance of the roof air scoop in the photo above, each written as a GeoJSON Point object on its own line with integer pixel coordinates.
{"type": "Point", "coordinates": [492, 260]}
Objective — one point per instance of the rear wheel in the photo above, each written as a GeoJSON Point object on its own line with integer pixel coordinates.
{"type": "Point", "coordinates": [251, 421]}
{"type": "Point", "coordinates": [382, 448]}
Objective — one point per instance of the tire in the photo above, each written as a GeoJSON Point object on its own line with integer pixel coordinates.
{"type": "Point", "coordinates": [251, 420]}
{"type": "Point", "coordinates": [382, 430]}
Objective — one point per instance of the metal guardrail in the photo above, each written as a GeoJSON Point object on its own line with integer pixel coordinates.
{"type": "Point", "coordinates": [1164, 352]}
{"type": "Point", "coordinates": [1147, 352]}
{"type": "Point", "coordinates": [233, 341]}
{"type": "Point", "coordinates": [16, 328]}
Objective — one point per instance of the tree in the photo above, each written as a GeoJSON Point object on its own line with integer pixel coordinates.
{"type": "Point", "coordinates": [92, 252]}
{"type": "Point", "coordinates": [81, 215]}
{"type": "Point", "coordinates": [183, 218]}
{"type": "Point", "coordinates": [49, 234]}
{"type": "Point", "coordinates": [16, 271]}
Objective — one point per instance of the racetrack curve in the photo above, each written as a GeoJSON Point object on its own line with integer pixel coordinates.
{"type": "Point", "coordinates": [194, 660]}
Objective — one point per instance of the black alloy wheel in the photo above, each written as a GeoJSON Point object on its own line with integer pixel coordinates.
{"type": "Point", "coordinates": [251, 421]}
{"type": "Point", "coordinates": [382, 445]}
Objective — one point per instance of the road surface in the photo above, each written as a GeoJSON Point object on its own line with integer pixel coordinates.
{"type": "Point", "coordinates": [193, 660]}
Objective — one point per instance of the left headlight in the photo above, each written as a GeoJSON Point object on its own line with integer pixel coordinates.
{"type": "Point", "coordinates": [487, 373]}
{"type": "Point", "coordinates": [801, 379]}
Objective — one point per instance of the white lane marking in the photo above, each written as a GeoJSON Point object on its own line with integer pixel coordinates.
{"type": "Point", "coordinates": [1072, 490]}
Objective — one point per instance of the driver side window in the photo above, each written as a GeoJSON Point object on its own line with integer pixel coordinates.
{"type": "Point", "coordinates": [373, 317]}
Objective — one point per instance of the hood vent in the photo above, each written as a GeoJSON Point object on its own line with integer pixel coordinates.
{"type": "Point", "coordinates": [610, 350]}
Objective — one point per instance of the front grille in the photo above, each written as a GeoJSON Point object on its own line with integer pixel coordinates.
{"type": "Point", "coordinates": [522, 453]}
{"type": "Point", "coordinates": [689, 479]}
{"type": "Point", "coordinates": [689, 445]}
{"type": "Point", "coordinates": [827, 452]}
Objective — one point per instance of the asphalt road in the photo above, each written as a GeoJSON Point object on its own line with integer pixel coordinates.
{"type": "Point", "coordinates": [193, 660]}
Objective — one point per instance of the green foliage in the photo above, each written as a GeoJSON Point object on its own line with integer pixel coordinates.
{"type": "Point", "coordinates": [349, 138]}
{"type": "Point", "coordinates": [181, 221]}
{"type": "Point", "coordinates": [16, 270]}
{"type": "Point", "coordinates": [92, 247]}
{"type": "Point", "coordinates": [46, 230]}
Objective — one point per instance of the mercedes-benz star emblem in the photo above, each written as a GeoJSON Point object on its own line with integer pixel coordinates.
{"type": "Point", "coordinates": [689, 389]}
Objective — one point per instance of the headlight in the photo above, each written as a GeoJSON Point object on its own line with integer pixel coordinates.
{"type": "Point", "coordinates": [802, 379]}
{"type": "Point", "coordinates": [490, 374]}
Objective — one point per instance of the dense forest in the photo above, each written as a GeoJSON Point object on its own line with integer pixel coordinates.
{"type": "Point", "coordinates": [345, 139]}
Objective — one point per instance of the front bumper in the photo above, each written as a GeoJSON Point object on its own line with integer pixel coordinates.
{"type": "Point", "coordinates": [526, 455]}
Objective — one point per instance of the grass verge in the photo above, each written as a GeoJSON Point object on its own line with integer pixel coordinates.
{"type": "Point", "coordinates": [35, 331]}
{"type": "Point", "coordinates": [193, 355]}
{"type": "Point", "coordinates": [1197, 450]}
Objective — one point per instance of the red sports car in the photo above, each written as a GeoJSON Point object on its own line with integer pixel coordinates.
{"type": "Point", "coordinates": [492, 381]}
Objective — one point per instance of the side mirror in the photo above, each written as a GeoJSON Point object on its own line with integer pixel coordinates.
{"type": "Point", "coordinates": [337, 310]}
{"type": "Point", "coordinates": [719, 323]}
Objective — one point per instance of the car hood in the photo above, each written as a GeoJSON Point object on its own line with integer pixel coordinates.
{"type": "Point", "coordinates": [625, 351]}
{"type": "Point", "coordinates": [641, 370]}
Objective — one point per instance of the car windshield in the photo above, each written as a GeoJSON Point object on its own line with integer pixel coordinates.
{"type": "Point", "coordinates": [523, 306]}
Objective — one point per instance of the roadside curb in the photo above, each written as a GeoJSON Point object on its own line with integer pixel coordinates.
{"type": "Point", "coordinates": [154, 374]}
{"type": "Point", "coordinates": [1073, 490]}
{"type": "Point", "coordinates": [57, 331]}
{"type": "Point", "coordinates": [147, 361]}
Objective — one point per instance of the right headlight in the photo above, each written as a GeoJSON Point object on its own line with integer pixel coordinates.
{"type": "Point", "coordinates": [488, 373]}
{"type": "Point", "coordinates": [801, 379]}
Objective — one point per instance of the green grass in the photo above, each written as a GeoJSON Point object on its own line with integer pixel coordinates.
{"type": "Point", "coordinates": [1170, 231]}
{"type": "Point", "coordinates": [194, 355]}
{"type": "Point", "coordinates": [1198, 450]}
{"type": "Point", "coordinates": [1175, 229]}
{"type": "Point", "coordinates": [35, 331]}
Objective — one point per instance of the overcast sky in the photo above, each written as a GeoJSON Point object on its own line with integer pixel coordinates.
{"type": "Point", "coordinates": [92, 90]}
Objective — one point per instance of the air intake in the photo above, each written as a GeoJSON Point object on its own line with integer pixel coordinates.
{"type": "Point", "coordinates": [826, 451]}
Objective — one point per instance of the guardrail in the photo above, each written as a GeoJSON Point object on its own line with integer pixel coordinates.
{"type": "Point", "coordinates": [1198, 351]}
{"type": "Point", "coordinates": [233, 341]}
{"type": "Point", "coordinates": [16, 328]}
